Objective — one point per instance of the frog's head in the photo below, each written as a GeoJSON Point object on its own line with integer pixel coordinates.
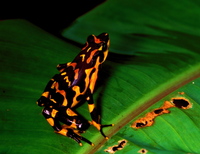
{"type": "Point", "coordinates": [95, 50]}
{"type": "Point", "coordinates": [98, 47]}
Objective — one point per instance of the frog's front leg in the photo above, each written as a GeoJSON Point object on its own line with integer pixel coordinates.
{"type": "Point", "coordinates": [96, 119]}
{"type": "Point", "coordinates": [73, 126]}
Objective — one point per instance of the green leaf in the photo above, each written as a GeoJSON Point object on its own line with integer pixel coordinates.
{"type": "Point", "coordinates": [167, 58]}
{"type": "Point", "coordinates": [28, 60]}
{"type": "Point", "coordinates": [125, 20]}
{"type": "Point", "coordinates": [175, 132]}
{"type": "Point", "coordinates": [165, 55]}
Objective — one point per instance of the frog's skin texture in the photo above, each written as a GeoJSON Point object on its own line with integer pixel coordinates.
{"type": "Point", "coordinates": [73, 85]}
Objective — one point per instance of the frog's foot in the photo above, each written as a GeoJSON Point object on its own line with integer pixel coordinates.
{"type": "Point", "coordinates": [100, 127]}
{"type": "Point", "coordinates": [75, 135]}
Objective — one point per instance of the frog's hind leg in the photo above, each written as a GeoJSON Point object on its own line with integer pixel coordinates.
{"type": "Point", "coordinates": [49, 89]}
{"type": "Point", "coordinates": [52, 117]}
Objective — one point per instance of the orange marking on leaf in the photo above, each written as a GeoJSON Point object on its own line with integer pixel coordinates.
{"type": "Point", "coordinates": [181, 102]}
{"type": "Point", "coordinates": [148, 120]}
{"type": "Point", "coordinates": [143, 151]}
{"type": "Point", "coordinates": [121, 144]}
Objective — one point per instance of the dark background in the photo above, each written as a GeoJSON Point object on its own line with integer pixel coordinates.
{"type": "Point", "coordinates": [50, 16]}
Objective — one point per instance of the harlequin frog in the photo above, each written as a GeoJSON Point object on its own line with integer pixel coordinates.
{"type": "Point", "coordinates": [74, 84]}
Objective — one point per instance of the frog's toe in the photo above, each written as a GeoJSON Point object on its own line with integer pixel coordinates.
{"type": "Point", "coordinates": [101, 130]}
{"type": "Point", "coordinates": [73, 134]}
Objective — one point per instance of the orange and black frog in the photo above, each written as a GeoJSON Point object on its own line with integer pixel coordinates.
{"type": "Point", "coordinates": [74, 84]}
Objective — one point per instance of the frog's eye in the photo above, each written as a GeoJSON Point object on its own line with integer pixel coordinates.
{"type": "Point", "coordinates": [103, 37]}
{"type": "Point", "coordinates": [91, 39]}
{"type": "Point", "coordinates": [103, 46]}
